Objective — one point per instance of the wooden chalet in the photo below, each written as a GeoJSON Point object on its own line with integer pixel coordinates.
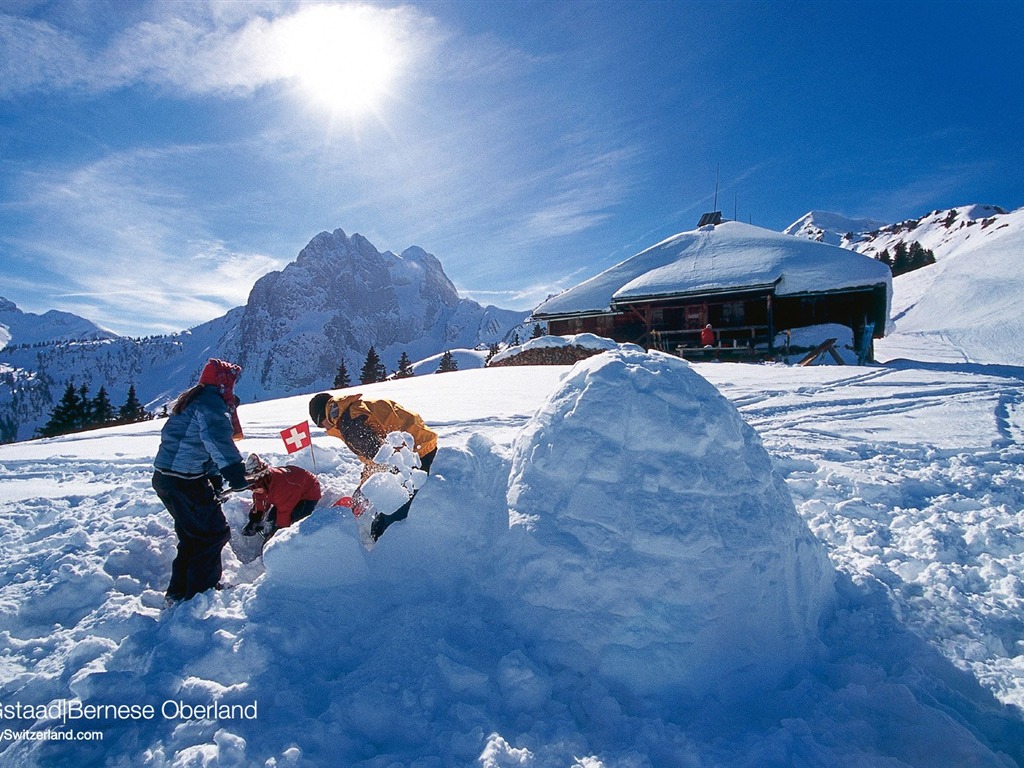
{"type": "Point", "coordinates": [749, 283]}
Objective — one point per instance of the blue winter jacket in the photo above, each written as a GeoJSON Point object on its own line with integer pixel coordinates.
{"type": "Point", "coordinates": [198, 441]}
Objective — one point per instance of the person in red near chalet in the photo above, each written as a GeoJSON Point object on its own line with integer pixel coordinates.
{"type": "Point", "coordinates": [707, 336]}
{"type": "Point", "coordinates": [280, 496]}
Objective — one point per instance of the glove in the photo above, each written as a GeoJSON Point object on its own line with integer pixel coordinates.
{"type": "Point", "coordinates": [235, 475]}
{"type": "Point", "coordinates": [268, 526]}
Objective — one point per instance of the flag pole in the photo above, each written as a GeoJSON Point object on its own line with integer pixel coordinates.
{"type": "Point", "coordinates": [312, 453]}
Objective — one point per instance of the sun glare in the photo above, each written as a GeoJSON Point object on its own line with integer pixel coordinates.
{"type": "Point", "coordinates": [345, 58]}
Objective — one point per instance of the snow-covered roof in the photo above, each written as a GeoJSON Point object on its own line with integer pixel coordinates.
{"type": "Point", "coordinates": [585, 340]}
{"type": "Point", "coordinates": [718, 259]}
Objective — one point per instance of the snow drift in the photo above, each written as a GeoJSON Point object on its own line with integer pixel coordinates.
{"type": "Point", "coordinates": [645, 503]}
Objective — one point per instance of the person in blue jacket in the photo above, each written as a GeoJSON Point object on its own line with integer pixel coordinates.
{"type": "Point", "coordinates": [197, 455]}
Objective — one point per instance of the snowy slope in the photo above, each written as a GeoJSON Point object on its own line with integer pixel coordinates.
{"type": "Point", "coordinates": [460, 640]}
{"type": "Point", "coordinates": [965, 307]}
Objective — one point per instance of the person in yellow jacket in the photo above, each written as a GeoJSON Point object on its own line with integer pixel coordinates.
{"type": "Point", "coordinates": [363, 425]}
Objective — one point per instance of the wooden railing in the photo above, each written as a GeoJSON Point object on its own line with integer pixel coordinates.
{"type": "Point", "coordinates": [731, 337]}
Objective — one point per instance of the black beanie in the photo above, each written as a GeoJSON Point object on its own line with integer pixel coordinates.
{"type": "Point", "coordinates": [318, 407]}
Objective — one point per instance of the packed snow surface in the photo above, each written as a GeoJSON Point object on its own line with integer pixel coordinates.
{"type": "Point", "coordinates": [556, 641]}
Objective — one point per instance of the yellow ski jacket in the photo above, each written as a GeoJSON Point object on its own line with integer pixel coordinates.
{"type": "Point", "coordinates": [348, 415]}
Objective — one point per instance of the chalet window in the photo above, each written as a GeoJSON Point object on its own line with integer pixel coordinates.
{"type": "Point", "coordinates": [733, 314]}
{"type": "Point", "coordinates": [696, 316]}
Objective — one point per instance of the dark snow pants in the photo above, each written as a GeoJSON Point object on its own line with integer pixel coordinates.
{"type": "Point", "coordinates": [202, 533]}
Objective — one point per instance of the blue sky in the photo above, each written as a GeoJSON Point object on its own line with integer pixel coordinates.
{"type": "Point", "coordinates": [156, 158]}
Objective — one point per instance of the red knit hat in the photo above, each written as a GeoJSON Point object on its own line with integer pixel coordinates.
{"type": "Point", "coordinates": [223, 375]}
{"type": "Point", "coordinates": [220, 373]}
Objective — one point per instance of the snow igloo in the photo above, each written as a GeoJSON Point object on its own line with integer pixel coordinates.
{"type": "Point", "coordinates": [653, 545]}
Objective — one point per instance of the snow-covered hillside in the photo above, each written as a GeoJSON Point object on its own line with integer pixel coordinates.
{"type": "Point", "coordinates": [965, 306]}
{"type": "Point", "coordinates": [556, 641]}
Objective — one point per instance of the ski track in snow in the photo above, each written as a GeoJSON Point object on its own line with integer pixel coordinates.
{"type": "Point", "coordinates": [940, 526]}
{"type": "Point", "coordinates": [924, 523]}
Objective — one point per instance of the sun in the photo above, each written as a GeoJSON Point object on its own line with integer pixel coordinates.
{"type": "Point", "coordinates": [345, 58]}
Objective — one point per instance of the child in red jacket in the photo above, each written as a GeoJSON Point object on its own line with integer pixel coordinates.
{"type": "Point", "coordinates": [280, 496]}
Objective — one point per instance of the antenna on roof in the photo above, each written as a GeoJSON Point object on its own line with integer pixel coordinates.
{"type": "Point", "coordinates": [717, 167]}
{"type": "Point", "coordinates": [735, 205]}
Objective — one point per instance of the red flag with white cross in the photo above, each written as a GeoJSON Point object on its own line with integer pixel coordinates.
{"type": "Point", "coordinates": [296, 438]}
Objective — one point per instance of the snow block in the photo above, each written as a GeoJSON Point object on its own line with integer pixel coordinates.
{"type": "Point", "coordinates": [653, 545]}
{"type": "Point", "coordinates": [320, 552]}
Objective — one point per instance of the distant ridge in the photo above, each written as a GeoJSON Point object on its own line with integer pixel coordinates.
{"type": "Point", "coordinates": [337, 299]}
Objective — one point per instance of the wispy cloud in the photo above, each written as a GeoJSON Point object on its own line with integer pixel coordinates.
{"type": "Point", "coordinates": [467, 163]}
{"type": "Point", "coordinates": [528, 296]}
{"type": "Point", "coordinates": [112, 230]}
{"type": "Point", "coordinates": [927, 191]}
{"type": "Point", "coordinates": [219, 48]}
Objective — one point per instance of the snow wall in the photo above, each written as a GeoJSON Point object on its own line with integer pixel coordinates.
{"type": "Point", "coordinates": [653, 545]}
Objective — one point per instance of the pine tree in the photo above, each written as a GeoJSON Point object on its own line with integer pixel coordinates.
{"type": "Point", "coordinates": [8, 429]}
{"type": "Point", "coordinates": [404, 367]}
{"type": "Point", "coordinates": [537, 331]}
{"type": "Point", "coordinates": [515, 340]}
{"type": "Point", "coordinates": [900, 260]}
{"type": "Point", "coordinates": [373, 369]}
{"type": "Point", "coordinates": [492, 350]}
{"type": "Point", "coordinates": [65, 415]}
{"type": "Point", "coordinates": [84, 416]}
{"type": "Point", "coordinates": [919, 256]}
{"type": "Point", "coordinates": [448, 364]}
{"type": "Point", "coordinates": [101, 411]}
{"type": "Point", "coordinates": [132, 410]}
{"type": "Point", "coordinates": [342, 379]}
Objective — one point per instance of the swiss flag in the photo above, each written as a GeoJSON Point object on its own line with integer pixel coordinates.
{"type": "Point", "coordinates": [296, 438]}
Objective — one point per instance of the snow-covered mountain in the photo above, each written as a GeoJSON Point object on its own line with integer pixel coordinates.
{"type": "Point", "coordinates": [940, 231]}
{"type": "Point", "coordinates": [830, 228]}
{"type": "Point", "coordinates": [341, 297]}
{"type": "Point", "coordinates": [27, 328]}
{"type": "Point", "coordinates": [337, 299]}
{"type": "Point", "coordinates": [967, 304]}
